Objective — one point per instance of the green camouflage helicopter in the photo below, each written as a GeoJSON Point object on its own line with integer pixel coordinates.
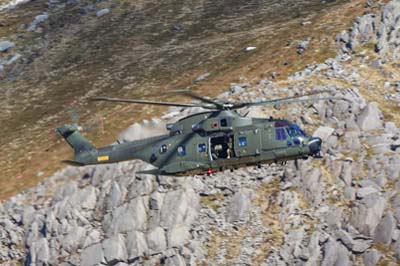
{"type": "Point", "coordinates": [205, 142]}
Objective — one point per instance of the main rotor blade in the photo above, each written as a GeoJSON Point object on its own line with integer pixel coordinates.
{"type": "Point", "coordinates": [289, 101]}
{"type": "Point", "coordinates": [268, 102]}
{"type": "Point", "coordinates": [300, 96]}
{"type": "Point", "coordinates": [196, 97]}
{"type": "Point", "coordinates": [107, 99]}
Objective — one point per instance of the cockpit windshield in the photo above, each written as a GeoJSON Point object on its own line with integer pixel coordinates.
{"type": "Point", "coordinates": [292, 129]}
{"type": "Point", "coordinates": [295, 130]}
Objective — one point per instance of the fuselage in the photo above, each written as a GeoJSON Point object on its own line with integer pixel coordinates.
{"type": "Point", "coordinates": [212, 141]}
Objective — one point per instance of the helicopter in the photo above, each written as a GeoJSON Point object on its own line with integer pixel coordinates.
{"type": "Point", "coordinates": [214, 140]}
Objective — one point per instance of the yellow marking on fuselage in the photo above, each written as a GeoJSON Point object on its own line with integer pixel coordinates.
{"type": "Point", "coordinates": [103, 158]}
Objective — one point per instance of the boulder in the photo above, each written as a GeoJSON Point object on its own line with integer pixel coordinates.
{"type": "Point", "coordinates": [85, 198]}
{"type": "Point", "coordinates": [345, 238]}
{"type": "Point", "coordinates": [323, 132]}
{"type": "Point", "coordinates": [312, 185]}
{"type": "Point", "coordinates": [178, 236]}
{"type": "Point", "coordinates": [39, 252]}
{"type": "Point", "coordinates": [73, 240]}
{"type": "Point", "coordinates": [127, 217]}
{"type": "Point", "coordinates": [114, 197]}
{"type": "Point", "coordinates": [5, 46]}
{"type": "Point", "coordinates": [371, 257]}
{"type": "Point", "coordinates": [175, 260]}
{"type": "Point", "coordinates": [385, 229]}
{"type": "Point", "coordinates": [156, 200]}
{"type": "Point", "coordinates": [179, 207]}
{"type": "Point", "coordinates": [156, 240]}
{"type": "Point", "coordinates": [92, 255]}
{"type": "Point", "coordinates": [366, 191]}
{"type": "Point", "coordinates": [334, 254]}
{"type": "Point", "coordinates": [114, 249]}
{"type": "Point", "coordinates": [370, 118]}
{"type": "Point", "coordinates": [136, 245]}
{"type": "Point", "coordinates": [38, 20]}
{"type": "Point", "coordinates": [141, 187]}
{"type": "Point", "coordinates": [239, 206]}
{"type": "Point", "coordinates": [102, 12]}
{"type": "Point", "coordinates": [367, 215]}
{"type": "Point", "coordinates": [92, 238]}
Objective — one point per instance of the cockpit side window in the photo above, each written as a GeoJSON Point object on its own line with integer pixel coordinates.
{"type": "Point", "coordinates": [280, 133]}
{"type": "Point", "coordinates": [292, 132]}
{"type": "Point", "coordinates": [295, 130]}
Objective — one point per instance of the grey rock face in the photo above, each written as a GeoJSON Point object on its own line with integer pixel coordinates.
{"type": "Point", "coordinates": [156, 240]}
{"type": "Point", "coordinates": [365, 217]}
{"type": "Point", "coordinates": [366, 191]}
{"type": "Point", "coordinates": [239, 206]}
{"type": "Point", "coordinates": [371, 257]}
{"type": "Point", "coordinates": [136, 245]}
{"type": "Point", "coordinates": [178, 236]}
{"type": "Point", "coordinates": [5, 46]}
{"type": "Point", "coordinates": [385, 229]}
{"type": "Point", "coordinates": [38, 20]}
{"type": "Point", "coordinates": [323, 132]}
{"type": "Point", "coordinates": [179, 207]}
{"type": "Point", "coordinates": [92, 255]}
{"type": "Point", "coordinates": [370, 118]}
{"type": "Point", "coordinates": [114, 198]}
{"type": "Point", "coordinates": [335, 254]}
{"type": "Point", "coordinates": [114, 249]}
{"type": "Point", "coordinates": [102, 12]}
{"type": "Point", "coordinates": [128, 217]}
{"type": "Point", "coordinates": [73, 240]}
{"type": "Point", "coordinates": [92, 238]}
{"type": "Point", "coordinates": [39, 251]}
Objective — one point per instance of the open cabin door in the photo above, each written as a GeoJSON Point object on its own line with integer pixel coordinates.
{"type": "Point", "coordinates": [221, 146]}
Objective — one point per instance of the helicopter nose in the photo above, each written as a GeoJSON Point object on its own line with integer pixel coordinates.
{"type": "Point", "coordinates": [314, 145]}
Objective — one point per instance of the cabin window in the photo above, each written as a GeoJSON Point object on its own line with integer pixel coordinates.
{"type": "Point", "coordinates": [223, 122]}
{"type": "Point", "coordinates": [181, 150]}
{"type": "Point", "coordinates": [202, 148]}
{"type": "Point", "coordinates": [242, 141]}
{"type": "Point", "coordinates": [163, 148]}
{"type": "Point", "coordinates": [280, 133]}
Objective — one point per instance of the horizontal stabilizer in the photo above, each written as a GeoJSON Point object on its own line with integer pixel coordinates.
{"type": "Point", "coordinates": [73, 163]}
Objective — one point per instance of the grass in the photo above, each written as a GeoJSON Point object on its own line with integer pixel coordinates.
{"type": "Point", "coordinates": [213, 201]}
{"type": "Point", "coordinates": [266, 199]}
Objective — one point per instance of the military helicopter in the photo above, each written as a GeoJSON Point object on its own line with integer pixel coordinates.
{"type": "Point", "coordinates": [205, 142]}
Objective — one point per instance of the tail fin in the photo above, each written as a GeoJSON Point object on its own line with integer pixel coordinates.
{"type": "Point", "coordinates": [71, 134]}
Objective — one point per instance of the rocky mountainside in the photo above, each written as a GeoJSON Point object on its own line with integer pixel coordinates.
{"type": "Point", "coordinates": [343, 209]}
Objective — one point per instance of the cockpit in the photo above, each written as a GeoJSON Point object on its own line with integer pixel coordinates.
{"type": "Point", "coordinates": [294, 135]}
{"type": "Point", "coordinates": [293, 130]}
